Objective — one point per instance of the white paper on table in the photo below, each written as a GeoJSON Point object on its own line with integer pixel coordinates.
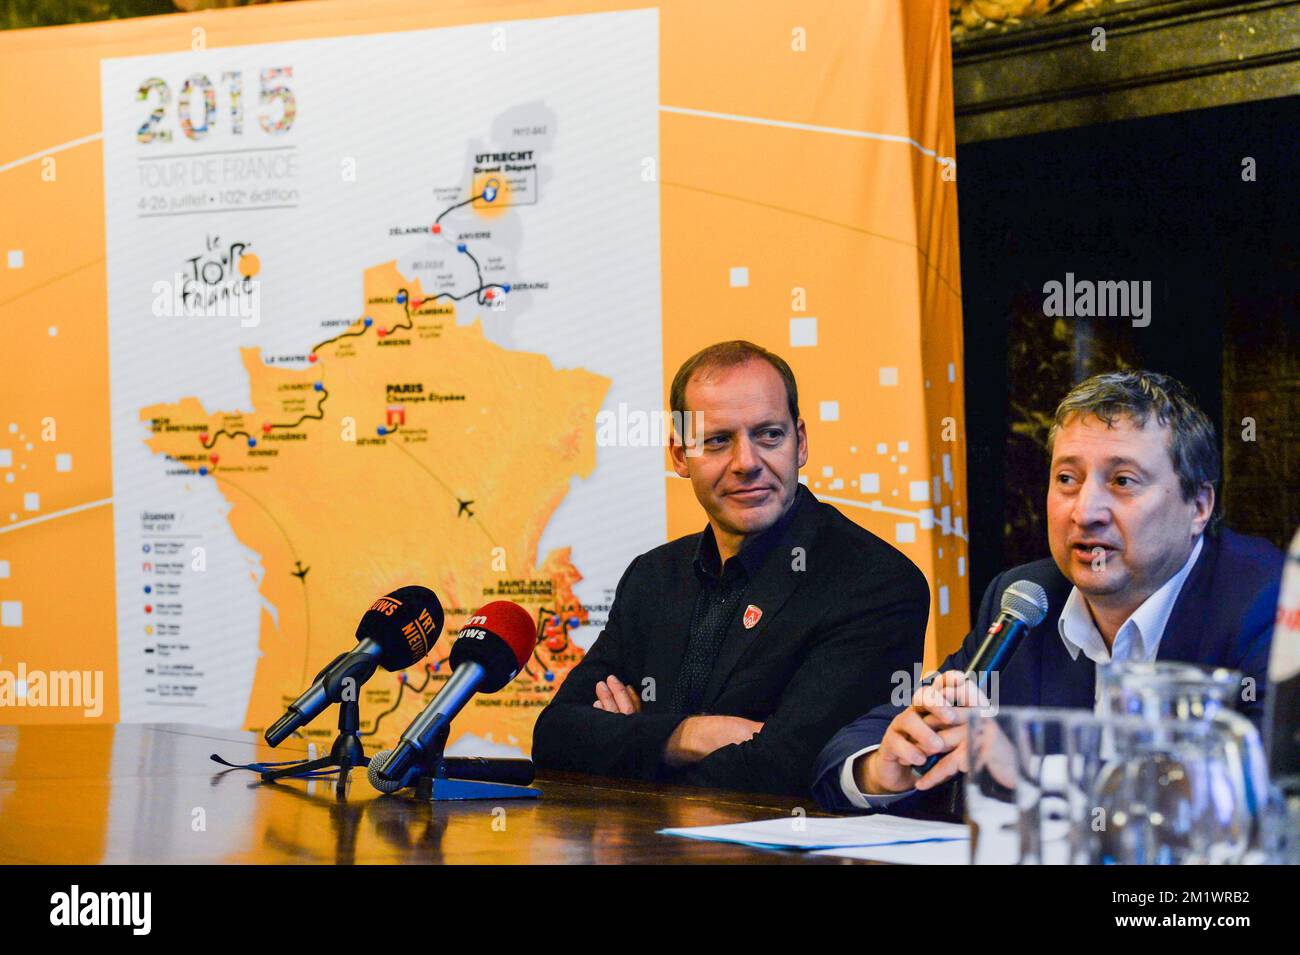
{"type": "Point", "coordinates": [802, 832]}
{"type": "Point", "coordinates": [950, 852]}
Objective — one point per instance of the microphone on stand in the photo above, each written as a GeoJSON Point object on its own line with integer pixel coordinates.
{"type": "Point", "coordinates": [492, 647]}
{"type": "Point", "coordinates": [398, 630]}
{"type": "Point", "coordinates": [512, 772]}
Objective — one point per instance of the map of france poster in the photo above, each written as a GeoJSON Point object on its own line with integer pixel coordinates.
{"type": "Point", "coordinates": [302, 303]}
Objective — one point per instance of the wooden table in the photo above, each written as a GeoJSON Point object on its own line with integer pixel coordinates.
{"type": "Point", "coordinates": [148, 793]}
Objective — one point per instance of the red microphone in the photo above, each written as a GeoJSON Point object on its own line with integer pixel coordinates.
{"type": "Point", "coordinates": [500, 638]}
{"type": "Point", "coordinates": [492, 647]}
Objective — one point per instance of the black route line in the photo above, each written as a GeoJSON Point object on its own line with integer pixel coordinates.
{"type": "Point", "coordinates": [458, 205]}
{"type": "Point", "coordinates": [404, 299]}
{"type": "Point", "coordinates": [330, 341]}
{"type": "Point", "coordinates": [479, 272]}
{"type": "Point", "coordinates": [460, 298]}
{"type": "Point", "coordinates": [318, 416]}
{"type": "Point", "coordinates": [401, 689]}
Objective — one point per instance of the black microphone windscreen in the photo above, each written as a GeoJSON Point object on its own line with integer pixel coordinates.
{"type": "Point", "coordinates": [405, 623]}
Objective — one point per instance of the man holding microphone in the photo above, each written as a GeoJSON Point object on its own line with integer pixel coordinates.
{"type": "Point", "coordinates": [1138, 572]}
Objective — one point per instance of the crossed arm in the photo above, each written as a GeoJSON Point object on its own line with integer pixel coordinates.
{"type": "Point", "coordinates": [694, 738]}
{"type": "Point", "coordinates": [618, 738]}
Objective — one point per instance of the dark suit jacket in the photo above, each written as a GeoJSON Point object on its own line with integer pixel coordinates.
{"type": "Point", "coordinates": [837, 622]}
{"type": "Point", "coordinates": [1223, 617]}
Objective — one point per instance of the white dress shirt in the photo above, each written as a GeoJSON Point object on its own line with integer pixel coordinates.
{"type": "Point", "coordinates": [1138, 638]}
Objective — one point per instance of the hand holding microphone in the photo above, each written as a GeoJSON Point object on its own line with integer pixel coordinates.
{"type": "Point", "coordinates": [924, 745]}
{"type": "Point", "coordinates": [933, 728]}
{"type": "Point", "coordinates": [1024, 605]}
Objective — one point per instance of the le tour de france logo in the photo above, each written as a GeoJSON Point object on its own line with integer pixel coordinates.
{"type": "Point", "coordinates": [215, 142]}
{"type": "Point", "coordinates": [221, 281]}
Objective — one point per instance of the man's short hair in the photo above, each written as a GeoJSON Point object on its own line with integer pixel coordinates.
{"type": "Point", "coordinates": [1138, 395]}
{"type": "Point", "coordinates": [729, 355]}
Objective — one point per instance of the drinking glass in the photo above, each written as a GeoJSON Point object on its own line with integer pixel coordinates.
{"type": "Point", "coordinates": [1023, 784]}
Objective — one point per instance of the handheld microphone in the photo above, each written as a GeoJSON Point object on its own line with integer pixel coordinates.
{"type": "Point", "coordinates": [492, 647]}
{"type": "Point", "coordinates": [511, 771]}
{"type": "Point", "coordinates": [1024, 605]}
{"type": "Point", "coordinates": [398, 630]}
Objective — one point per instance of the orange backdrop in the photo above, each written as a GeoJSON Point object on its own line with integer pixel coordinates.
{"type": "Point", "coordinates": [802, 143]}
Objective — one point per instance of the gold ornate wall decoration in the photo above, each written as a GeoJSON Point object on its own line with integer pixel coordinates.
{"type": "Point", "coordinates": [970, 15]}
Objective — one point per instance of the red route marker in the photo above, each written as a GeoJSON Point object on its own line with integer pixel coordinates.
{"type": "Point", "coordinates": [311, 357]}
{"type": "Point", "coordinates": [381, 332]}
{"type": "Point", "coordinates": [435, 228]}
{"type": "Point", "coordinates": [214, 458]}
{"type": "Point", "coordinates": [266, 428]}
{"type": "Point", "coordinates": [204, 437]}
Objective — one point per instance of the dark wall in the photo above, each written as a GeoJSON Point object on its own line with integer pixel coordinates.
{"type": "Point", "coordinates": [1157, 199]}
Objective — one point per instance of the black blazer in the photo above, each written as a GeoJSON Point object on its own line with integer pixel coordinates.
{"type": "Point", "coordinates": [1223, 617]}
{"type": "Point", "coordinates": [837, 622]}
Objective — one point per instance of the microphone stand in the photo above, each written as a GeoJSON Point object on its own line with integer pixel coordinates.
{"type": "Point", "coordinates": [434, 785]}
{"type": "Point", "coordinates": [347, 750]}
